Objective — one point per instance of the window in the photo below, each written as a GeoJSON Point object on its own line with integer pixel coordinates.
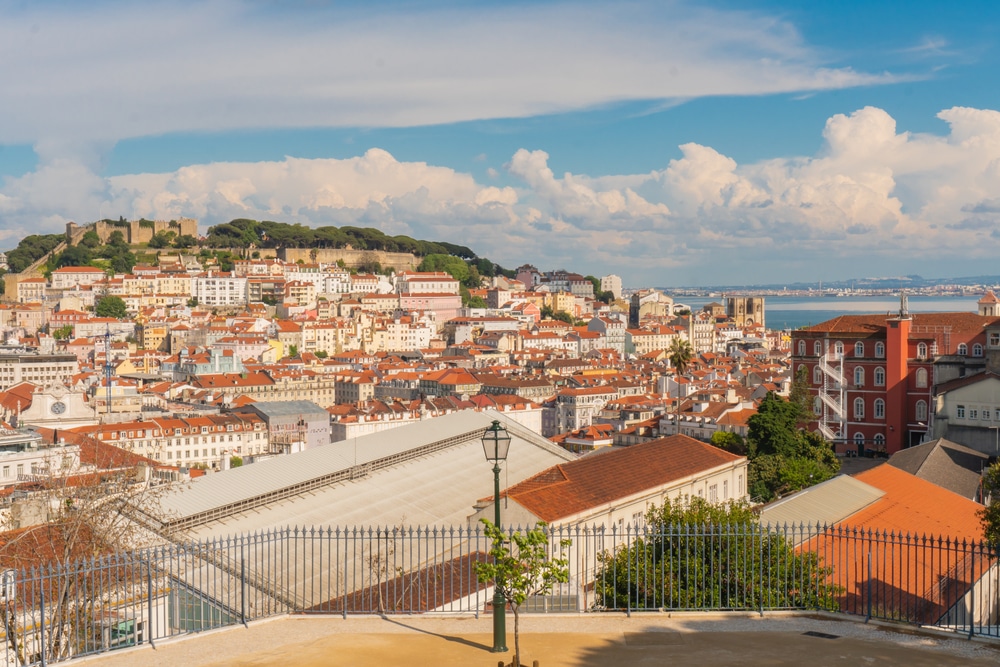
{"type": "Point", "coordinates": [725, 489]}
{"type": "Point", "coordinates": [802, 348]}
{"type": "Point", "coordinates": [817, 375]}
{"type": "Point", "coordinates": [879, 377]}
{"type": "Point", "coordinates": [859, 438]}
{"type": "Point", "coordinates": [817, 348]}
{"type": "Point", "coordinates": [817, 405]}
{"type": "Point", "coordinates": [921, 411]}
{"type": "Point", "coordinates": [859, 408]}
{"type": "Point", "coordinates": [994, 340]}
{"type": "Point", "coordinates": [921, 350]}
{"type": "Point", "coordinates": [879, 439]}
{"type": "Point", "coordinates": [977, 350]}
{"type": "Point", "coordinates": [859, 349]}
{"type": "Point", "coordinates": [985, 415]}
{"type": "Point", "coordinates": [973, 413]}
{"type": "Point", "coordinates": [838, 348]}
{"type": "Point", "coordinates": [859, 376]}
{"type": "Point", "coordinates": [963, 349]}
{"type": "Point", "coordinates": [713, 493]}
{"type": "Point", "coordinates": [921, 377]}
{"type": "Point", "coordinates": [960, 411]}
{"type": "Point", "coordinates": [879, 408]}
{"type": "Point", "coordinates": [879, 350]}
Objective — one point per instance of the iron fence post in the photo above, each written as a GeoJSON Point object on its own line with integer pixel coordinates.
{"type": "Point", "coordinates": [243, 588]}
{"type": "Point", "coordinates": [760, 571]}
{"type": "Point", "coordinates": [149, 594]}
{"type": "Point", "coordinates": [41, 594]}
{"type": "Point", "coordinates": [868, 616]}
{"type": "Point", "coordinates": [972, 598]}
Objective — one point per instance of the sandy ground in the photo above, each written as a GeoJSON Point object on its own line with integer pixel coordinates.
{"type": "Point", "coordinates": [556, 641]}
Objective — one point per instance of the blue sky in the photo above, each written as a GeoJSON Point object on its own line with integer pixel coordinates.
{"type": "Point", "coordinates": [673, 143]}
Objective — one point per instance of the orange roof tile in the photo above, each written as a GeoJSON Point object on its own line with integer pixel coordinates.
{"type": "Point", "coordinates": [903, 531]}
{"type": "Point", "coordinates": [590, 482]}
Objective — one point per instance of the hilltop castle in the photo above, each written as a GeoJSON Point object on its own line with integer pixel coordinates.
{"type": "Point", "coordinates": [134, 231]}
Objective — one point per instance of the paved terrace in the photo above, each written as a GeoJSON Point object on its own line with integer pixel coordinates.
{"type": "Point", "coordinates": [703, 639]}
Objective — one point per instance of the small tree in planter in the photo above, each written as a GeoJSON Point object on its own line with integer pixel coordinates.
{"type": "Point", "coordinates": [521, 566]}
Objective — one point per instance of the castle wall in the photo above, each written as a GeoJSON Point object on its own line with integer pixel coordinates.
{"type": "Point", "coordinates": [134, 231]}
{"type": "Point", "coordinates": [401, 261]}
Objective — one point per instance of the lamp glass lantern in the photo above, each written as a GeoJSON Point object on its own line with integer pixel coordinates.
{"type": "Point", "coordinates": [496, 442]}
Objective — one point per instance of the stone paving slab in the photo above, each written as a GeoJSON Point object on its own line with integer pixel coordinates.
{"type": "Point", "coordinates": [593, 640]}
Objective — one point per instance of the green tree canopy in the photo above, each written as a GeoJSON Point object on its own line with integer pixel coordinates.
{"type": "Point", "coordinates": [185, 241]}
{"type": "Point", "coordinates": [90, 239]}
{"type": "Point", "coordinates": [699, 555]}
{"type": "Point", "coordinates": [32, 248]}
{"type": "Point", "coordinates": [63, 332]}
{"type": "Point", "coordinates": [162, 239]}
{"type": "Point", "coordinates": [680, 354]}
{"type": "Point", "coordinates": [75, 255]}
{"type": "Point", "coordinates": [989, 515]}
{"type": "Point", "coordinates": [111, 306]}
{"type": "Point", "coordinates": [451, 265]}
{"type": "Point", "coordinates": [783, 457]}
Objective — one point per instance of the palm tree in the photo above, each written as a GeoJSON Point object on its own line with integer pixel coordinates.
{"type": "Point", "coordinates": [680, 354]}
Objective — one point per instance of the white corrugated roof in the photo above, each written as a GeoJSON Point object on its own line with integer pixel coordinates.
{"type": "Point", "coordinates": [825, 504]}
{"type": "Point", "coordinates": [438, 487]}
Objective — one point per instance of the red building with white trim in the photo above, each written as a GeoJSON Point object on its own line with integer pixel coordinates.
{"type": "Point", "coordinates": [872, 376]}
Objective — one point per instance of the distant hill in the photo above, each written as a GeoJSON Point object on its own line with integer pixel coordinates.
{"type": "Point", "coordinates": [244, 233]}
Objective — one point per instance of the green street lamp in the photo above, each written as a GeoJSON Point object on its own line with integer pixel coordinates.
{"type": "Point", "coordinates": [496, 443]}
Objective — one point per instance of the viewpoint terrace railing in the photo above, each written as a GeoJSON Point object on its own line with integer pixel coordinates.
{"type": "Point", "coordinates": [56, 612]}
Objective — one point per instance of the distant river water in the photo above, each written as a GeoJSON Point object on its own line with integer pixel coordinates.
{"type": "Point", "coordinates": [793, 312]}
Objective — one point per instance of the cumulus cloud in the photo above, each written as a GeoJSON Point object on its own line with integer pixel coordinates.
{"type": "Point", "coordinates": [872, 195]}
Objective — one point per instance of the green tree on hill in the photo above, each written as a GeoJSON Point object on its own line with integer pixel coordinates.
{"type": "Point", "coordinates": [75, 255]}
{"type": "Point", "coordinates": [32, 248]}
{"type": "Point", "coordinates": [449, 264]}
{"type": "Point", "coordinates": [161, 239]}
{"type": "Point", "coordinates": [111, 306]}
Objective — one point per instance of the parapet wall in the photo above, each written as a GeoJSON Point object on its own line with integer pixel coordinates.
{"type": "Point", "coordinates": [401, 261]}
{"type": "Point", "coordinates": [134, 231]}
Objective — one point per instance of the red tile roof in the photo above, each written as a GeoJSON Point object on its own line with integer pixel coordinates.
{"type": "Point", "coordinates": [870, 324]}
{"type": "Point", "coordinates": [572, 488]}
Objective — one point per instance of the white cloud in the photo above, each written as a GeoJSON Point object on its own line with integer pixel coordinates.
{"type": "Point", "coordinates": [78, 77]}
{"type": "Point", "coordinates": [872, 196]}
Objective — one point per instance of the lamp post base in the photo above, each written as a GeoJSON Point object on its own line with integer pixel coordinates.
{"type": "Point", "coordinates": [499, 625]}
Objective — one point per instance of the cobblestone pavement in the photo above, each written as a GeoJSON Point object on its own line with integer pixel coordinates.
{"type": "Point", "coordinates": [593, 640]}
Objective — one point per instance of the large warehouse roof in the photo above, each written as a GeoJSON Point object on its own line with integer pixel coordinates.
{"type": "Point", "coordinates": [431, 472]}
